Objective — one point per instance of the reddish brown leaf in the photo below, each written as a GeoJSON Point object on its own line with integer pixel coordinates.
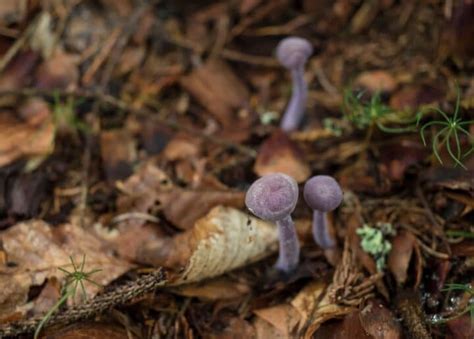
{"type": "Point", "coordinates": [88, 330]}
{"type": "Point", "coordinates": [400, 255]}
{"type": "Point", "coordinates": [216, 87]}
{"type": "Point", "coordinates": [59, 71]}
{"type": "Point", "coordinates": [279, 154]}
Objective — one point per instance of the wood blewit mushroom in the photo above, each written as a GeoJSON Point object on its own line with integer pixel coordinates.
{"type": "Point", "coordinates": [292, 53]}
{"type": "Point", "coordinates": [273, 197]}
{"type": "Point", "coordinates": [323, 194]}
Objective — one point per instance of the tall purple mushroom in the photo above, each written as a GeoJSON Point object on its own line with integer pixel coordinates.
{"type": "Point", "coordinates": [292, 53]}
{"type": "Point", "coordinates": [323, 194]}
{"type": "Point", "coordinates": [273, 197]}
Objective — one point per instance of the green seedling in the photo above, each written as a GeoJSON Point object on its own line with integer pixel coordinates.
{"type": "Point", "coordinates": [450, 130]}
{"type": "Point", "coordinates": [65, 117]}
{"type": "Point", "coordinates": [367, 114]}
{"type": "Point", "coordinates": [74, 279]}
{"type": "Point", "coordinates": [373, 241]}
{"type": "Point", "coordinates": [460, 234]}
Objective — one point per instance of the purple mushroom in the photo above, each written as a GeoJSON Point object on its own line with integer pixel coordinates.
{"type": "Point", "coordinates": [292, 53]}
{"type": "Point", "coordinates": [323, 194]}
{"type": "Point", "coordinates": [273, 197]}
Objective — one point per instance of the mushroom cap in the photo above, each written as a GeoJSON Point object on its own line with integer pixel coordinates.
{"type": "Point", "coordinates": [293, 52]}
{"type": "Point", "coordinates": [272, 197]}
{"type": "Point", "coordinates": [322, 193]}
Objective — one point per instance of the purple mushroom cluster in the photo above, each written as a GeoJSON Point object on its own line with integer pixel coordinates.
{"type": "Point", "coordinates": [273, 197]}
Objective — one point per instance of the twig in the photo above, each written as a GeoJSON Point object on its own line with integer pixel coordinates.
{"type": "Point", "coordinates": [120, 105]}
{"type": "Point", "coordinates": [101, 303]}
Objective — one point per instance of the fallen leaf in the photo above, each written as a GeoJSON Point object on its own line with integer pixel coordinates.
{"type": "Point", "coordinates": [36, 251]}
{"type": "Point", "coordinates": [23, 140]}
{"type": "Point", "coordinates": [279, 154]}
{"type": "Point", "coordinates": [184, 207]}
{"type": "Point", "coordinates": [399, 258]}
{"type": "Point", "coordinates": [214, 77]}
{"type": "Point", "coordinates": [182, 146]}
{"type": "Point", "coordinates": [281, 317]}
{"type": "Point", "coordinates": [58, 72]}
{"type": "Point", "coordinates": [376, 81]}
{"type": "Point", "coordinates": [117, 148]}
{"type": "Point", "coordinates": [221, 288]}
{"type": "Point", "coordinates": [349, 327]}
{"type": "Point", "coordinates": [18, 71]}
{"type": "Point", "coordinates": [221, 241]}
{"type": "Point", "coordinates": [89, 330]}
{"type": "Point", "coordinates": [461, 328]}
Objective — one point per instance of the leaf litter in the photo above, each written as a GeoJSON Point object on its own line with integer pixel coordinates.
{"type": "Point", "coordinates": [131, 131]}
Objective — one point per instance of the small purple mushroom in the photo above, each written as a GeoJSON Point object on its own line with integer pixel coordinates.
{"type": "Point", "coordinates": [273, 197]}
{"type": "Point", "coordinates": [292, 53]}
{"type": "Point", "coordinates": [323, 194]}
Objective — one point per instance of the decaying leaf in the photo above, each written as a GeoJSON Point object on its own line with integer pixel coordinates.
{"type": "Point", "coordinates": [24, 140]}
{"type": "Point", "coordinates": [220, 288]}
{"type": "Point", "coordinates": [221, 241]}
{"type": "Point", "coordinates": [35, 252]}
{"type": "Point", "coordinates": [279, 154]}
{"type": "Point", "coordinates": [217, 77]}
{"type": "Point", "coordinates": [379, 321]}
{"type": "Point", "coordinates": [400, 255]}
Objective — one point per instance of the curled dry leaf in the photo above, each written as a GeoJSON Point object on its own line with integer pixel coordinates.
{"type": "Point", "coordinates": [35, 251]}
{"type": "Point", "coordinates": [21, 139]}
{"type": "Point", "coordinates": [221, 241]}
{"type": "Point", "coordinates": [279, 154]}
{"type": "Point", "coordinates": [399, 258]}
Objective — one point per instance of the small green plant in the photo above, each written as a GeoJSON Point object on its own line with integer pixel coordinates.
{"type": "Point", "coordinates": [65, 117]}
{"type": "Point", "coordinates": [460, 234]}
{"type": "Point", "coordinates": [374, 242]}
{"type": "Point", "coordinates": [367, 114]}
{"type": "Point", "coordinates": [73, 281]}
{"type": "Point", "coordinates": [450, 130]}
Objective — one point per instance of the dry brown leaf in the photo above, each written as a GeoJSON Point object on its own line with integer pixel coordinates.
{"type": "Point", "coordinates": [24, 140]}
{"type": "Point", "coordinates": [117, 148]}
{"type": "Point", "coordinates": [349, 327]}
{"type": "Point", "coordinates": [374, 81]}
{"type": "Point", "coordinates": [18, 71]}
{"type": "Point", "coordinates": [279, 154]}
{"type": "Point", "coordinates": [35, 251]}
{"type": "Point", "coordinates": [182, 146]}
{"type": "Point", "coordinates": [221, 288]}
{"type": "Point", "coordinates": [59, 71]}
{"type": "Point", "coordinates": [237, 328]}
{"type": "Point", "coordinates": [281, 317]}
{"type": "Point", "coordinates": [183, 207]}
{"type": "Point", "coordinates": [399, 258]}
{"type": "Point", "coordinates": [216, 87]}
{"type": "Point", "coordinates": [88, 330]}
{"type": "Point", "coordinates": [221, 241]}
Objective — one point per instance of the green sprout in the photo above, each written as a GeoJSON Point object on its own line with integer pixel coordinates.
{"type": "Point", "coordinates": [451, 128]}
{"type": "Point", "coordinates": [74, 280]}
{"type": "Point", "coordinates": [65, 117]}
{"type": "Point", "coordinates": [374, 242]}
{"type": "Point", "coordinates": [373, 113]}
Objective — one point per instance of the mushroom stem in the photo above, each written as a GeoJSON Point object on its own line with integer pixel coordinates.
{"type": "Point", "coordinates": [295, 109]}
{"type": "Point", "coordinates": [289, 246]}
{"type": "Point", "coordinates": [321, 232]}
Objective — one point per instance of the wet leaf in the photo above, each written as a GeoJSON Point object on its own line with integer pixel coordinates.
{"type": "Point", "coordinates": [118, 153]}
{"type": "Point", "coordinates": [379, 322]}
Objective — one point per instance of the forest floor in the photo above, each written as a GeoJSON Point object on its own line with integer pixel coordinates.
{"type": "Point", "coordinates": [131, 130]}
